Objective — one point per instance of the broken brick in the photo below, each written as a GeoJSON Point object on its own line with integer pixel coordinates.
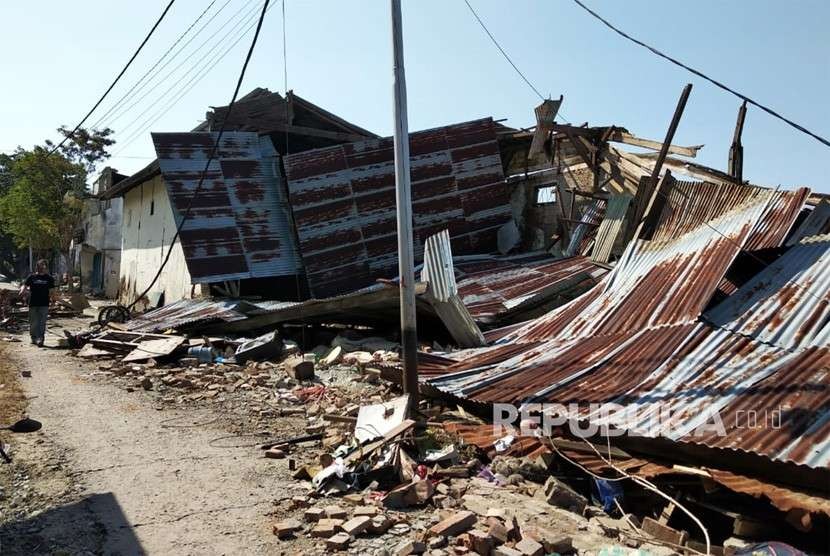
{"type": "Point", "coordinates": [663, 532]}
{"type": "Point", "coordinates": [287, 528]}
{"type": "Point", "coordinates": [557, 493]}
{"type": "Point", "coordinates": [480, 542]}
{"type": "Point", "coordinates": [498, 531]}
{"type": "Point", "coordinates": [340, 541]}
{"type": "Point", "coordinates": [356, 525]}
{"type": "Point", "coordinates": [298, 368]}
{"type": "Point", "coordinates": [370, 511]}
{"type": "Point", "coordinates": [506, 551]}
{"type": "Point", "coordinates": [314, 514]}
{"type": "Point", "coordinates": [455, 524]}
{"type": "Point", "coordinates": [335, 512]}
{"type": "Point", "coordinates": [380, 524]}
{"type": "Point", "coordinates": [409, 547]}
{"type": "Point", "coordinates": [529, 547]}
{"type": "Point", "coordinates": [326, 528]}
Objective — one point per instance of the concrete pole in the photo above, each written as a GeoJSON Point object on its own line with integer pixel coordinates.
{"type": "Point", "coordinates": [403, 197]}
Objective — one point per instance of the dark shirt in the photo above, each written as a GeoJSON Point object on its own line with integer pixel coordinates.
{"type": "Point", "coordinates": [39, 286]}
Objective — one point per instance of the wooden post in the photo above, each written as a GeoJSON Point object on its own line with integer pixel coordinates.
{"type": "Point", "coordinates": [649, 194]}
{"type": "Point", "coordinates": [736, 151]}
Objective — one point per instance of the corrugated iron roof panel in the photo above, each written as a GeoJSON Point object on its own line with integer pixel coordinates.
{"type": "Point", "coordinates": [492, 294]}
{"type": "Point", "coordinates": [343, 199]}
{"type": "Point", "coordinates": [654, 358]}
{"type": "Point", "coordinates": [816, 223]}
{"type": "Point", "coordinates": [655, 282]}
{"type": "Point", "coordinates": [239, 224]}
{"type": "Point", "coordinates": [185, 312]}
{"type": "Point", "coordinates": [610, 227]}
{"type": "Point", "coordinates": [788, 303]}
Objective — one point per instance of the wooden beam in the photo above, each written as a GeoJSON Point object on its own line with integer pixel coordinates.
{"type": "Point", "coordinates": [648, 198]}
{"type": "Point", "coordinates": [314, 132]}
{"type": "Point", "coordinates": [619, 136]}
{"type": "Point", "coordinates": [736, 151]}
{"type": "Point", "coordinates": [686, 168]}
{"type": "Point", "coordinates": [584, 153]}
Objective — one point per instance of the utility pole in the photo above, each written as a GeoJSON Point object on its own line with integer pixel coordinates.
{"type": "Point", "coordinates": [736, 151]}
{"type": "Point", "coordinates": [403, 198]}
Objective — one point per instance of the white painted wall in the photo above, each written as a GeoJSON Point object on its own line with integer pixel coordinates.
{"type": "Point", "coordinates": [102, 226]}
{"type": "Point", "coordinates": [147, 227]}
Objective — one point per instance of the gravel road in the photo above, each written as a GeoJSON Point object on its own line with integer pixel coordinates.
{"type": "Point", "coordinates": [111, 474]}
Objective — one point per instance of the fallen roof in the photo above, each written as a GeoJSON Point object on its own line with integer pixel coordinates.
{"type": "Point", "coordinates": [238, 226]}
{"type": "Point", "coordinates": [343, 199]}
{"type": "Point", "coordinates": [510, 286]}
{"type": "Point", "coordinates": [635, 340]}
{"type": "Point", "coordinates": [263, 111]}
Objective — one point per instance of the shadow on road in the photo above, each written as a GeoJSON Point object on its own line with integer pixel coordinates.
{"type": "Point", "coordinates": [95, 524]}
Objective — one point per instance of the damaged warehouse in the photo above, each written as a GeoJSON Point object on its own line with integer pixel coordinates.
{"type": "Point", "coordinates": [560, 284]}
{"type": "Point", "coordinates": [288, 334]}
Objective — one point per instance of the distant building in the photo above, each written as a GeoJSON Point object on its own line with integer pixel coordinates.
{"type": "Point", "coordinates": [98, 241]}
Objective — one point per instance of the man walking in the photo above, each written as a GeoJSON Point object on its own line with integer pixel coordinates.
{"type": "Point", "coordinates": [38, 285]}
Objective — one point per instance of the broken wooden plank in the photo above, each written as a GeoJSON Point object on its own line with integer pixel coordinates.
{"type": "Point", "coordinates": [363, 451]}
{"type": "Point", "coordinates": [620, 136]}
{"type": "Point", "coordinates": [156, 347]}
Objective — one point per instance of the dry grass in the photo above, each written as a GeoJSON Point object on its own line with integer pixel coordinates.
{"type": "Point", "coordinates": [12, 400]}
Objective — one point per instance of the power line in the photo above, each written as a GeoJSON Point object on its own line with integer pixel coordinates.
{"type": "Point", "coordinates": [213, 150]}
{"type": "Point", "coordinates": [183, 92]}
{"type": "Point", "coordinates": [170, 74]}
{"type": "Point", "coordinates": [503, 53]}
{"type": "Point", "coordinates": [121, 73]}
{"type": "Point", "coordinates": [741, 96]}
{"type": "Point", "coordinates": [506, 57]}
{"type": "Point", "coordinates": [141, 80]}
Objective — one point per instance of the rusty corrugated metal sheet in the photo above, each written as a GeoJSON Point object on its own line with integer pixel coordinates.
{"type": "Point", "coordinates": [610, 227]}
{"type": "Point", "coordinates": [584, 233]}
{"type": "Point", "coordinates": [684, 210]}
{"type": "Point", "coordinates": [635, 340]}
{"type": "Point", "coordinates": [343, 200]}
{"type": "Point", "coordinates": [788, 303]}
{"type": "Point", "coordinates": [656, 282]}
{"type": "Point", "coordinates": [184, 313]}
{"type": "Point", "coordinates": [816, 223]}
{"type": "Point", "coordinates": [493, 294]}
{"type": "Point", "coordinates": [239, 223]}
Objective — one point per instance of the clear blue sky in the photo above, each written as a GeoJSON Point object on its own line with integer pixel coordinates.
{"type": "Point", "coordinates": [60, 56]}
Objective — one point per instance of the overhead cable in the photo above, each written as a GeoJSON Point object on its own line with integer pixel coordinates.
{"type": "Point", "coordinates": [702, 75]}
{"type": "Point", "coordinates": [210, 157]}
{"type": "Point", "coordinates": [117, 78]}
{"type": "Point", "coordinates": [141, 83]}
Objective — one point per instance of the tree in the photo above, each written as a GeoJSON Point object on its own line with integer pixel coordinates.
{"type": "Point", "coordinates": [41, 194]}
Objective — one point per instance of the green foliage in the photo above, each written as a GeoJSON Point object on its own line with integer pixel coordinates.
{"type": "Point", "coordinates": [41, 195]}
{"type": "Point", "coordinates": [85, 147]}
{"type": "Point", "coordinates": [40, 204]}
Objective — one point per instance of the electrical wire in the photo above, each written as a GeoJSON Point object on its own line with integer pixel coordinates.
{"type": "Point", "coordinates": [248, 17]}
{"type": "Point", "coordinates": [702, 75]}
{"type": "Point", "coordinates": [117, 78]}
{"type": "Point", "coordinates": [189, 86]}
{"type": "Point", "coordinates": [155, 65]}
{"type": "Point", "coordinates": [503, 53]}
{"type": "Point", "coordinates": [212, 153]}
{"type": "Point", "coordinates": [509, 60]}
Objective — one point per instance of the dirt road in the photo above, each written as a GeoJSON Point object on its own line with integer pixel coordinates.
{"type": "Point", "coordinates": [111, 474]}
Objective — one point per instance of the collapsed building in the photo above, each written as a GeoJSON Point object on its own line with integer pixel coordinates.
{"type": "Point", "coordinates": [576, 271]}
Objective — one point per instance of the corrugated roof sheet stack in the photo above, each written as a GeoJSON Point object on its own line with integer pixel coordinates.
{"type": "Point", "coordinates": [638, 339]}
